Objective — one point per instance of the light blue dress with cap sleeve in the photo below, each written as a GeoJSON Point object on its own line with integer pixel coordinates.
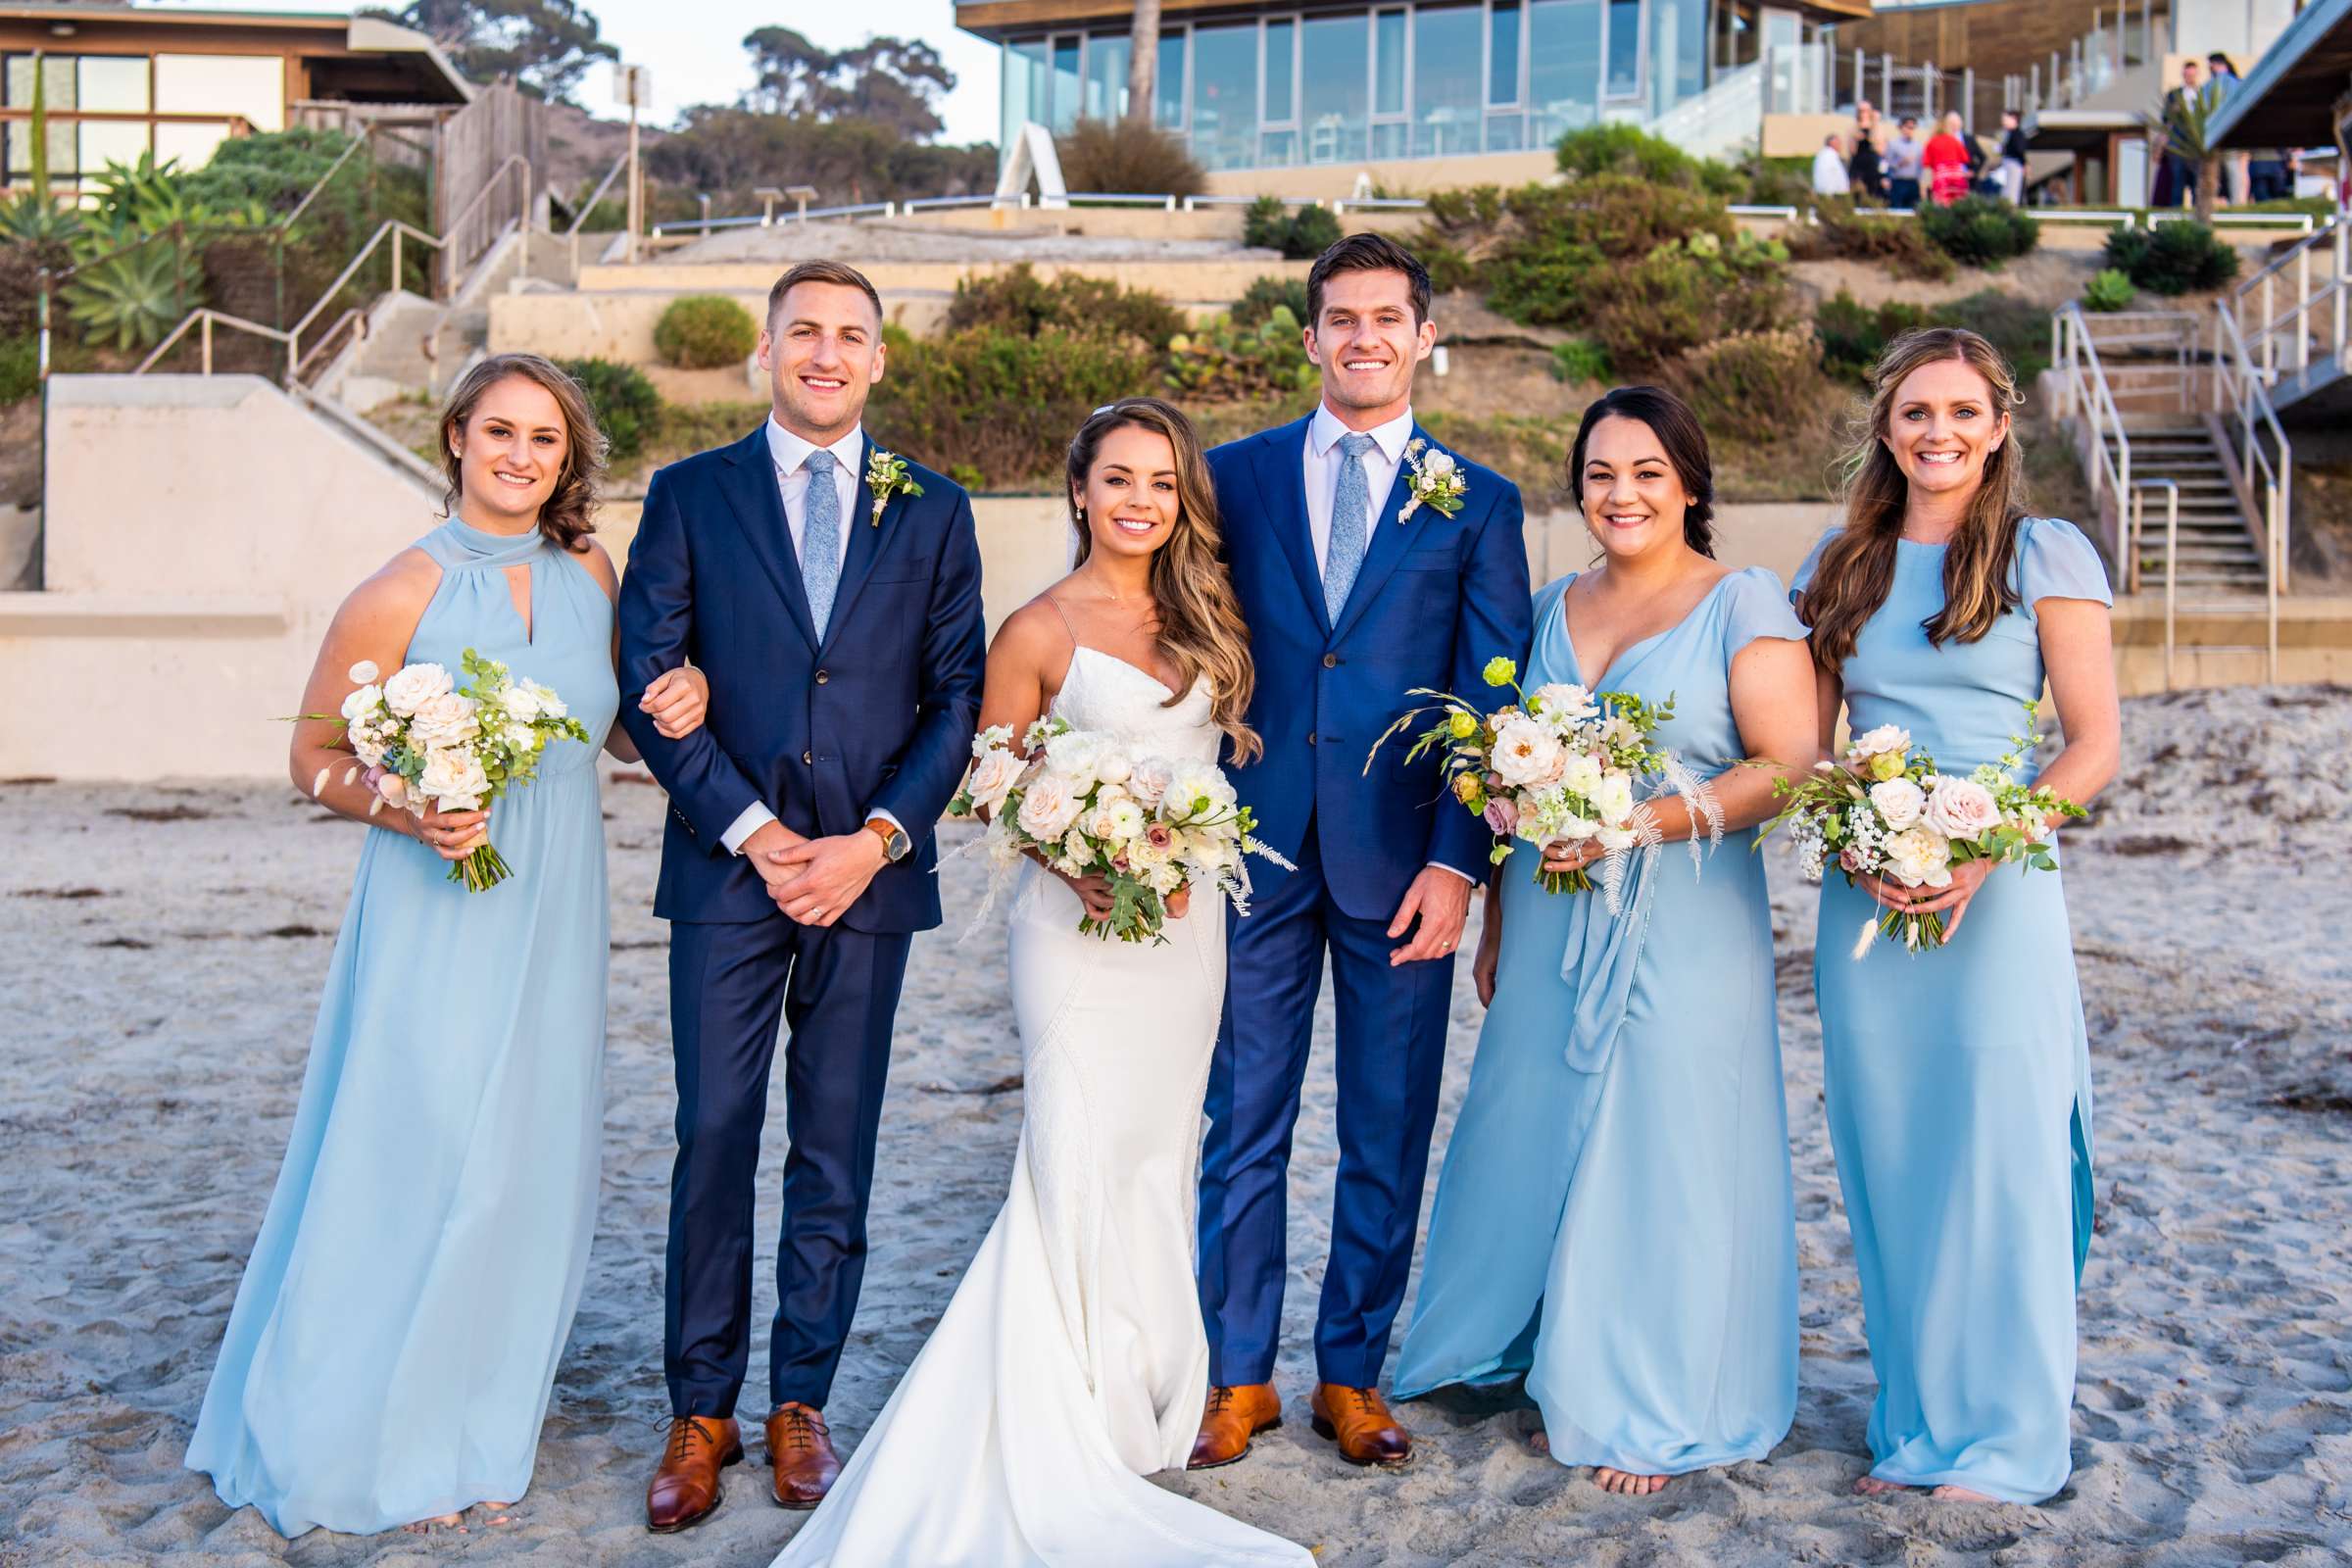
{"type": "Point", "coordinates": [1957, 1081]}
{"type": "Point", "coordinates": [1614, 1218]}
{"type": "Point", "coordinates": [394, 1340]}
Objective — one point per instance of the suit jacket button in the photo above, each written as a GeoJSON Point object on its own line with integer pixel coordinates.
{"type": "Point", "coordinates": [1331, 660]}
{"type": "Point", "coordinates": [823, 676]}
{"type": "Point", "coordinates": [1310, 737]}
{"type": "Point", "coordinates": [807, 758]}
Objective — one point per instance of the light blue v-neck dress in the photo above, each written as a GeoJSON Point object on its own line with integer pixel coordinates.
{"type": "Point", "coordinates": [395, 1337]}
{"type": "Point", "coordinates": [1614, 1218]}
{"type": "Point", "coordinates": [1957, 1081]}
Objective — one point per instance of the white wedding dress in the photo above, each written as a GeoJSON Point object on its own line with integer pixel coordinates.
{"type": "Point", "coordinates": [1071, 1363]}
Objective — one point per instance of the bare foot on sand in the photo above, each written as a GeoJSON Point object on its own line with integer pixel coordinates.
{"type": "Point", "coordinates": [1873, 1487]}
{"type": "Point", "coordinates": [1959, 1494]}
{"type": "Point", "coordinates": [1625, 1484]}
{"type": "Point", "coordinates": [434, 1525]}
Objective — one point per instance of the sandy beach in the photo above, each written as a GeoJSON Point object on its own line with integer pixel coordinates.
{"type": "Point", "coordinates": [160, 948]}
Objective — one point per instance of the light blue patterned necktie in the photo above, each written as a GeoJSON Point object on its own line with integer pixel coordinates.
{"type": "Point", "coordinates": [1351, 524]}
{"type": "Point", "coordinates": [821, 537]}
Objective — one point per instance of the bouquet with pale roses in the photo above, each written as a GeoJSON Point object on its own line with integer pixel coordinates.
{"type": "Point", "coordinates": [1559, 766]}
{"type": "Point", "coordinates": [1086, 804]}
{"type": "Point", "coordinates": [422, 737]}
{"type": "Point", "coordinates": [1887, 812]}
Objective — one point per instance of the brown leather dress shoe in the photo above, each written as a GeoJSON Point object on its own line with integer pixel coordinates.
{"type": "Point", "coordinates": [799, 1449]}
{"type": "Point", "coordinates": [1232, 1417]}
{"type": "Point", "coordinates": [1359, 1422]}
{"type": "Point", "coordinates": [685, 1489]}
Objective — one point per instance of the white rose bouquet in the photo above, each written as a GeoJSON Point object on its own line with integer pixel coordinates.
{"type": "Point", "coordinates": [422, 737]}
{"type": "Point", "coordinates": [1560, 766]}
{"type": "Point", "coordinates": [1086, 805]}
{"type": "Point", "coordinates": [1886, 812]}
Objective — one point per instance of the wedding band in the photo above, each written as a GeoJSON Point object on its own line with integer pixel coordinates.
{"type": "Point", "coordinates": [817, 914]}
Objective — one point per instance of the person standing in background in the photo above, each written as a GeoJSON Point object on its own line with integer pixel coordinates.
{"type": "Point", "coordinates": [1865, 171]}
{"type": "Point", "coordinates": [2237, 184]}
{"type": "Point", "coordinates": [2013, 158]}
{"type": "Point", "coordinates": [1947, 162]}
{"type": "Point", "coordinates": [1903, 165]}
{"type": "Point", "coordinates": [1830, 177]}
{"type": "Point", "coordinates": [2178, 181]}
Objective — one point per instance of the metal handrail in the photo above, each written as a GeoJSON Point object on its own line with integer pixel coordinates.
{"type": "Point", "coordinates": [2335, 292]}
{"type": "Point", "coordinates": [202, 318]}
{"type": "Point", "coordinates": [287, 223]}
{"type": "Point", "coordinates": [397, 229]}
{"type": "Point", "coordinates": [2233, 370]}
{"type": "Point", "coordinates": [2071, 348]}
{"type": "Point", "coordinates": [2172, 554]}
{"type": "Point", "coordinates": [573, 230]}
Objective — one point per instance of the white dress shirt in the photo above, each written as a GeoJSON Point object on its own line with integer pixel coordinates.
{"type": "Point", "coordinates": [791, 456]}
{"type": "Point", "coordinates": [1323, 458]}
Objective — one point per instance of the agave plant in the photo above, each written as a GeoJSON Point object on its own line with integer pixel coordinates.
{"type": "Point", "coordinates": [2180, 124]}
{"type": "Point", "coordinates": [134, 290]}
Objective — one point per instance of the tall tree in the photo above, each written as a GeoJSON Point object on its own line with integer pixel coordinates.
{"type": "Point", "coordinates": [790, 76]}
{"type": "Point", "coordinates": [1143, 62]}
{"type": "Point", "coordinates": [542, 46]}
{"type": "Point", "coordinates": [894, 84]}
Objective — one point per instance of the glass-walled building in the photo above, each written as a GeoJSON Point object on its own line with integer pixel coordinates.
{"type": "Point", "coordinates": [1278, 86]}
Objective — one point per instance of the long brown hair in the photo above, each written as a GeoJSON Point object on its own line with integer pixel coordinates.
{"type": "Point", "coordinates": [1200, 630]}
{"type": "Point", "coordinates": [565, 518]}
{"type": "Point", "coordinates": [1856, 570]}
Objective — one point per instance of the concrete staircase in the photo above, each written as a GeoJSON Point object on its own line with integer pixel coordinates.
{"type": "Point", "coordinates": [2219, 555]}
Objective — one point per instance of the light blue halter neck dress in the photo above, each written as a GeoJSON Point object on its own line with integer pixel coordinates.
{"type": "Point", "coordinates": [395, 1337]}
{"type": "Point", "coordinates": [1614, 1217]}
{"type": "Point", "coordinates": [1957, 1081]}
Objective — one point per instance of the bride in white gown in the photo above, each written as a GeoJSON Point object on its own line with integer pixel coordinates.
{"type": "Point", "coordinates": [1072, 1361]}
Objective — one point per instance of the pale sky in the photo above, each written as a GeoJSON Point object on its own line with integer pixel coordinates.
{"type": "Point", "coordinates": [694, 48]}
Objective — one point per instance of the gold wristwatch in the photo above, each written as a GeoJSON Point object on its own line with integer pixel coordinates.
{"type": "Point", "coordinates": [895, 843]}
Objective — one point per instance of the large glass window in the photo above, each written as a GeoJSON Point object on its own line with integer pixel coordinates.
{"type": "Point", "coordinates": [1622, 70]}
{"type": "Point", "coordinates": [1387, 94]}
{"type": "Point", "coordinates": [1563, 67]}
{"type": "Point", "coordinates": [1331, 96]}
{"type": "Point", "coordinates": [1167, 85]}
{"type": "Point", "coordinates": [1502, 53]}
{"type": "Point", "coordinates": [252, 87]}
{"type": "Point", "coordinates": [1449, 88]}
{"type": "Point", "coordinates": [79, 151]}
{"type": "Point", "coordinates": [1107, 56]}
{"type": "Point", "coordinates": [1278, 144]}
{"type": "Point", "coordinates": [1225, 96]}
{"type": "Point", "coordinates": [1065, 83]}
{"type": "Point", "coordinates": [1026, 86]}
{"type": "Point", "coordinates": [1677, 52]}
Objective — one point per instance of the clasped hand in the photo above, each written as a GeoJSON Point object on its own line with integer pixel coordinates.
{"type": "Point", "coordinates": [814, 881]}
{"type": "Point", "coordinates": [1094, 892]}
{"type": "Point", "coordinates": [1967, 877]}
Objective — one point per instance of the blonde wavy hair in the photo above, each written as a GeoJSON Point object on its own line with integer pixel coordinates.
{"type": "Point", "coordinates": [567, 517]}
{"type": "Point", "coordinates": [1856, 570]}
{"type": "Point", "coordinates": [1199, 628]}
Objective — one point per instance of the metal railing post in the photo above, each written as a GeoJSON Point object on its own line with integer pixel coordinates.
{"type": "Point", "coordinates": [2302, 308]}
{"type": "Point", "coordinates": [396, 273]}
{"type": "Point", "coordinates": [2276, 571]}
{"type": "Point", "coordinates": [205, 338]}
{"type": "Point", "coordinates": [2172, 582]}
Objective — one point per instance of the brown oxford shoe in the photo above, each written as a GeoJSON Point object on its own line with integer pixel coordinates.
{"type": "Point", "coordinates": [685, 1489]}
{"type": "Point", "coordinates": [1232, 1417]}
{"type": "Point", "coordinates": [1359, 1422]}
{"type": "Point", "coordinates": [800, 1447]}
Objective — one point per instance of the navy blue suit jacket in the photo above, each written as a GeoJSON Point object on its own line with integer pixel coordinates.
{"type": "Point", "coordinates": [1436, 598]}
{"type": "Point", "coordinates": [876, 715]}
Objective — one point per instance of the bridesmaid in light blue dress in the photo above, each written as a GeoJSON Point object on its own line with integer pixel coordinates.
{"type": "Point", "coordinates": [395, 1336]}
{"type": "Point", "coordinates": [1957, 1080]}
{"type": "Point", "coordinates": [1614, 1217]}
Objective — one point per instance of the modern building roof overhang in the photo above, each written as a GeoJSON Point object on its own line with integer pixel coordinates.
{"type": "Point", "coordinates": [2295, 95]}
{"type": "Point", "coordinates": [2081, 130]}
{"type": "Point", "coordinates": [1000, 20]}
{"type": "Point", "coordinates": [360, 58]}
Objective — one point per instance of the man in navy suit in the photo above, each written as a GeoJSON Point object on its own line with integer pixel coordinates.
{"type": "Point", "coordinates": [838, 618]}
{"type": "Point", "coordinates": [1354, 597]}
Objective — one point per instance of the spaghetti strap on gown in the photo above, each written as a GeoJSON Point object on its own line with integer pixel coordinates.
{"type": "Point", "coordinates": [1072, 1361]}
{"type": "Point", "coordinates": [394, 1341]}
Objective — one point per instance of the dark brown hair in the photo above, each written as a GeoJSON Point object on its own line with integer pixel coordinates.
{"type": "Point", "coordinates": [821, 271]}
{"type": "Point", "coordinates": [1678, 431]}
{"type": "Point", "coordinates": [565, 520]}
{"type": "Point", "coordinates": [1201, 627]}
{"type": "Point", "coordinates": [1367, 253]}
{"type": "Point", "coordinates": [1856, 570]}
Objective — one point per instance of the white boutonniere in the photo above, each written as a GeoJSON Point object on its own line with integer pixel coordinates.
{"type": "Point", "coordinates": [886, 475]}
{"type": "Point", "coordinates": [1437, 480]}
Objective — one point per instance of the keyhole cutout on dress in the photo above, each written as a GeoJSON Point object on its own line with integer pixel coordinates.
{"type": "Point", "coordinates": [518, 589]}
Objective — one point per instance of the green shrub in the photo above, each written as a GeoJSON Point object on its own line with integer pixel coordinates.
{"type": "Point", "coordinates": [1001, 403]}
{"type": "Point", "coordinates": [1839, 230]}
{"type": "Point", "coordinates": [1017, 301]}
{"type": "Point", "coordinates": [1853, 335]}
{"type": "Point", "coordinates": [1270, 224]}
{"type": "Point", "coordinates": [2108, 290]}
{"type": "Point", "coordinates": [1629, 151]}
{"type": "Point", "coordinates": [2172, 259]}
{"type": "Point", "coordinates": [2019, 327]}
{"type": "Point", "coordinates": [624, 402]}
{"type": "Point", "coordinates": [1580, 359]}
{"type": "Point", "coordinates": [704, 331]}
{"type": "Point", "coordinates": [1672, 301]}
{"type": "Point", "coordinates": [1268, 294]}
{"type": "Point", "coordinates": [1123, 157]}
{"type": "Point", "coordinates": [1225, 358]}
{"type": "Point", "coordinates": [1557, 238]}
{"type": "Point", "coordinates": [1748, 386]}
{"type": "Point", "coordinates": [19, 368]}
{"type": "Point", "coordinates": [1980, 230]}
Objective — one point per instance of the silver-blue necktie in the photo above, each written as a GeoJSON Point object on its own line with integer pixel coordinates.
{"type": "Point", "coordinates": [1351, 524]}
{"type": "Point", "coordinates": [821, 537]}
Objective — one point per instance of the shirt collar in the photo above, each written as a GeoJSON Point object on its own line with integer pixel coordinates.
{"type": "Point", "coordinates": [791, 450]}
{"type": "Point", "coordinates": [1324, 430]}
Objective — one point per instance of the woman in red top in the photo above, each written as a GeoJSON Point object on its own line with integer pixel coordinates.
{"type": "Point", "coordinates": [1946, 162]}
